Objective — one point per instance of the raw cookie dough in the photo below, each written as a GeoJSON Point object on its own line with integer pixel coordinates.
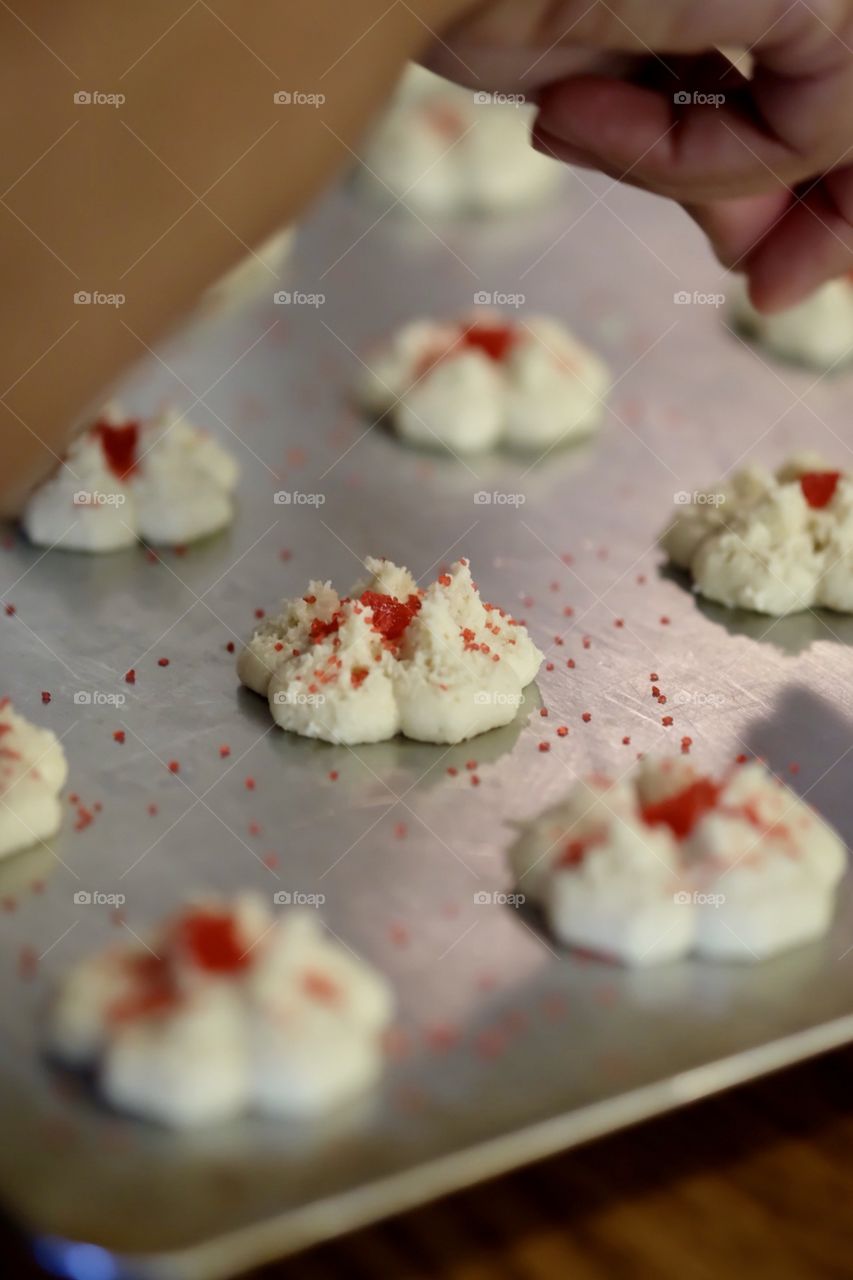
{"type": "Point", "coordinates": [669, 862]}
{"type": "Point", "coordinates": [773, 543]}
{"type": "Point", "coordinates": [444, 150]}
{"type": "Point", "coordinates": [437, 665]}
{"type": "Point", "coordinates": [162, 480]}
{"type": "Point", "coordinates": [485, 380]}
{"type": "Point", "coordinates": [227, 1008]}
{"type": "Point", "coordinates": [817, 332]}
{"type": "Point", "coordinates": [33, 770]}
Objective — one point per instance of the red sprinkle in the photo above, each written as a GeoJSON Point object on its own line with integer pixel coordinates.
{"type": "Point", "coordinates": [666, 721]}
{"type": "Point", "coordinates": [390, 616]}
{"type": "Point", "coordinates": [119, 446]}
{"type": "Point", "coordinates": [130, 676]}
{"type": "Point", "coordinates": [249, 784]}
{"type": "Point", "coordinates": [224, 751]}
{"type": "Point", "coordinates": [664, 621]}
{"type": "Point", "coordinates": [686, 744]}
{"type": "Point", "coordinates": [452, 770]}
{"type": "Point", "coordinates": [495, 341]}
{"type": "Point", "coordinates": [230, 646]}
{"type": "Point", "coordinates": [586, 717]}
{"type": "Point", "coordinates": [212, 941]}
{"type": "Point", "coordinates": [45, 696]}
{"type": "Point", "coordinates": [544, 746]}
{"type": "Point", "coordinates": [819, 487]}
{"type": "Point", "coordinates": [118, 735]}
{"type": "Point", "coordinates": [562, 732]}
{"type": "Point", "coordinates": [626, 742]}
{"type": "Point", "coordinates": [174, 766]}
{"type": "Point", "coordinates": [681, 812]}
{"type": "Point", "coordinates": [162, 662]}
{"type": "Point", "coordinates": [10, 609]}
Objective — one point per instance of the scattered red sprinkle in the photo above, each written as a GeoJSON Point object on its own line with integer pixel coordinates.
{"type": "Point", "coordinates": [654, 677]}
{"type": "Point", "coordinates": [794, 768]}
{"type": "Point", "coordinates": [224, 751]}
{"type": "Point", "coordinates": [452, 770]}
{"type": "Point", "coordinates": [153, 809]}
{"type": "Point", "coordinates": [130, 676]}
{"type": "Point", "coordinates": [230, 646]}
{"type": "Point", "coordinates": [333, 775]}
{"type": "Point", "coordinates": [255, 829]}
{"type": "Point", "coordinates": [162, 662]}
{"type": "Point", "coordinates": [549, 666]}
{"type": "Point", "coordinates": [666, 720]}
{"type": "Point", "coordinates": [285, 554]}
{"type": "Point", "coordinates": [401, 831]}
{"type": "Point", "coordinates": [686, 744]}
{"type": "Point", "coordinates": [586, 642]}
{"type": "Point", "coordinates": [544, 746]}
{"type": "Point", "coordinates": [571, 664]}
{"type": "Point", "coordinates": [586, 717]}
{"type": "Point", "coordinates": [445, 579]}
{"type": "Point", "coordinates": [562, 731]}
{"type": "Point", "coordinates": [626, 741]}
{"type": "Point", "coordinates": [118, 735]}
{"type": "Point", "coordinates": [741, 759]}
{"type": "Point", "coordinates": [495, 340]}
{"type": "Point", "coordinates": [655, 691]}
{"type": "Point", "coordinates": [249, 784]}
{"type": "Point", "coordinates": [470, 764]}
{"type": "Point", "coordinates": [27, 963]}
{"type": "Point", "coordinates": [662, 699]}
{"type": "Point", "coordinates": [819, 487]}
{"type": "Point", "coordinates": [641, 579]}
{"type": "Point", "coordinates": [260, 613]}
{"type": "Point", "coordinates": [119, 446]}
{"type": "Point", "coordinates": [270, 860]}
{"type": "Point", "coordinates": [10, 609]}
{"type": "Point", "coordinates": [213, 942]}
{"type": "Point", "coordinates": [475, 781]}
{"type": "Point", "coordinates": [45, 696]}
{"type": "Point", "coordinates": [681, 812]}
{"type": "Point", "coordinates": [568, 611]}
{"type": "Point", "coordinates": [618, 622]}
{"type": "Point", "coordinates": [543, 711]}
{"type": "Point", "coordinates": [174, 766]}
{"type": "Point", "coordinates": [664, 621]}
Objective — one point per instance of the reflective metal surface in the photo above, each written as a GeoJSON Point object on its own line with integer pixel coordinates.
{"type": "Point", "coordinates": [506, 1049]}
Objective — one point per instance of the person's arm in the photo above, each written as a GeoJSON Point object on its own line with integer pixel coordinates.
{"type": "Point", "coordinates": [156, 197]}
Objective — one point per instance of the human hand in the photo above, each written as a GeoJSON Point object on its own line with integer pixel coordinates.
{"type": "Point", "coordinates": [764, 165]}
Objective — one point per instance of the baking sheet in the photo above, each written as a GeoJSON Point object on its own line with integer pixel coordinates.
{"type": "Point", "coordinates": [505, 1049]}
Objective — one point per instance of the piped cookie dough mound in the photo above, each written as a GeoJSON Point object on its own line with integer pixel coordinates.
{"type": "Point", "coordinates": [163, 481]}
{"type": "Point", "coordinates": [438, 665]}
{"type": "Point", "coordinates": [775, 543]}
{"type": "Point", "coordinates": [445, 150]}
{"type": "Point", "coordinates": [817, 333]}
{"type": "Point", "coordinates": [486, 380]}
{"type": "Point", "coordinates": [225, 1009]}
{"type": "Point", "coordinates": [670, 862]}
{"type": "Point", "coordinates": [33, 770]}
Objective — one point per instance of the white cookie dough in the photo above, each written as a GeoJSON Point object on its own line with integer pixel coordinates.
{"type": "Point", "coordinates": [33, 770]}
{"type": "Point", "coordinates": [437, 665]}
{"type": "Point", "coordinates": [669, 862]}
{"type": "Point", "coordinates": [443, 150]}
{"type": "Point", "coordinates": [486, 380]}
{"type": "Point", "coordinates": [162, 481]}
{"type": "Point", "coordinates": [817, 332]}
{"type": "Point", "coordinates": [225, 1009]}
{"type": "Point", "coordinates": [776, 544]}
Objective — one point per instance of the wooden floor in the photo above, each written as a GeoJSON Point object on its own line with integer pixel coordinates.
{"type": "Point", "coordinates": [756, 1183]}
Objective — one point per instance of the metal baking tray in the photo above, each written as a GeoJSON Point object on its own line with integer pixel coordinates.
{"type": "Point", "coordinates": [506, 1049]}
